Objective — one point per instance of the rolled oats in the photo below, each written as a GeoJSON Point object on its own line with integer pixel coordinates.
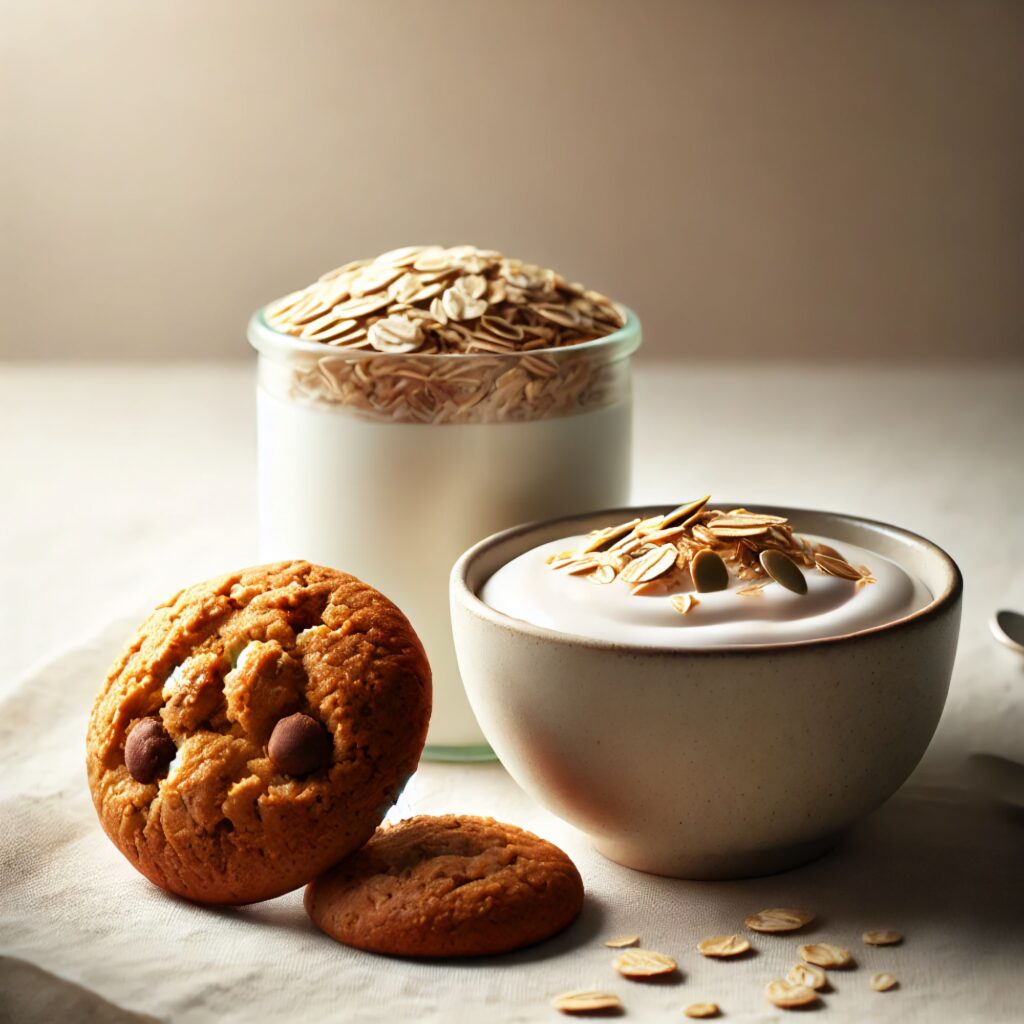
{"type": "Point", "coordinates": [807, 974]}
{"type": "Point", "coordinates": [688, 550]}
{"type": "Point", "coordinates": [788, 996]}
{"type": "Point", "coordinates": [832, 566]}
{"type": "Point", "coordinates": [824, 954]}
{"type": "Point", "coordinates": [643, 963]}
{"type": "Point", "coordinates": [778, 919]}
{"type": "Point", "coordinates": [699, 1011]}
{"type": "Point", "coordinates": [684, 603]}
{"type": "Point", "coordinates": [586, 1001]}
{"type": "Point", "coordinates": [754, 590]}
{"type": "Point", "coordinates": [420, 302]}
{"type": "Point", "coordinates": [723, 946]}
{"type": "Point", "coordinates": [395, 334]}
{"type": "Point", "coordinates": [883, 981]}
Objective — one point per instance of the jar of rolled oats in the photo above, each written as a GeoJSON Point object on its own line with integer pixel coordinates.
{"type": "Point", "coordinates": [412, 404]}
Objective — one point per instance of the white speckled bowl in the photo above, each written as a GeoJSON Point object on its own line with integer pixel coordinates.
{"type": "Point", "coordinates": [720, 762]}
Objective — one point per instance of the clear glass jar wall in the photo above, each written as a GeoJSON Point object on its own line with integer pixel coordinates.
{"type": "Point", "coordinates": [389, 466]}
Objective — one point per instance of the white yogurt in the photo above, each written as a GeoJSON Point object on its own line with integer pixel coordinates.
{"type": "Point", "coordinates": [528, 588]}
{"type": "Point", "coordinates": [397, 503]}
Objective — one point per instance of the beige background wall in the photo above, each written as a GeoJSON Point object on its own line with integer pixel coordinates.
{"type": "Point", "coordinates": [802, 179]}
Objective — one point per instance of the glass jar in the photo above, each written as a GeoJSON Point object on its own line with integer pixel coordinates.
{"type": "Point", "coordinates": [389, 466]}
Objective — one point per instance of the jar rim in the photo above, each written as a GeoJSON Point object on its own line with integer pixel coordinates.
{"type": "Point", "coordinates": [269, 341]}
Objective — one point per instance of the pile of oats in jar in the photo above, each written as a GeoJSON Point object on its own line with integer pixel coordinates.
{"type": "Point", "coordinates": [518, 321]}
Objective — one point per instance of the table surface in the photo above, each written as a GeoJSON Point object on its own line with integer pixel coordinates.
{"type": "Point", "coordinates": [123, 482]}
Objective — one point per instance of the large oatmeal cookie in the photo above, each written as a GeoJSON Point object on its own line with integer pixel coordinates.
{"type": "Point", "coordinates": [256, 730]}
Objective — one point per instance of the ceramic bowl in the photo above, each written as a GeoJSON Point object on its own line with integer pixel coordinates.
{"type": "Point", "coordinates": [720, 762]}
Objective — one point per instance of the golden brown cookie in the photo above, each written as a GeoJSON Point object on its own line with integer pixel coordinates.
{"type": "Point", "coordinates": [447, 886]}
{"type": "Point", "coordinates": [256, 730]}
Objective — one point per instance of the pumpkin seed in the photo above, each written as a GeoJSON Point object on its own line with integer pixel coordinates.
{"type": "Point", "coordinates": [599, 538]}
{"type": "Point", "coordinates": [783, 570]}
{"type": "Point", "coordinates": [709, 571]}
{"type": "Point", "coordinates": [684, 512]}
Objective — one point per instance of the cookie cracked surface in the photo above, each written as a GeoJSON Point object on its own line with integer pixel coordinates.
{"type": "Point", "coordinates": [449, 886]}
{"type": "Point", "coordinates": [215, 669]}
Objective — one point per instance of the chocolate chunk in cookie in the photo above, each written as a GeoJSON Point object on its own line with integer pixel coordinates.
{"type": "Point", "coordinates": [447, 887]}
{"type": "Point", "coordinates": [148, 750]}
{"type": "Point", "coordinates": [299, 745]}
{"type": "Point", "coordinates": [256, 730]}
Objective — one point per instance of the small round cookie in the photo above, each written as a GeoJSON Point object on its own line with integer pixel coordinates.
{"type": "Point", "coordinates": [256, 730]}
{"type": "Point", "coordinates": [447, 887]}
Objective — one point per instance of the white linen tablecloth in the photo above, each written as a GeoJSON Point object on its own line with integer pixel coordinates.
{"type": "Point", "coordinates": [123, 483]}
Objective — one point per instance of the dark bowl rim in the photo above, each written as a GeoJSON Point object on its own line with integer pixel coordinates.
{"type": "Point", "coordinates": [940, 604]}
